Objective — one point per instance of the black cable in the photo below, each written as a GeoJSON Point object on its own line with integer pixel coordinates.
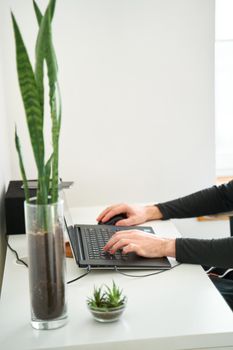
{"type": "Point", "coordinates": [147, 275]}
{"type": "Point", "coordinates": [15, 252]}
{"type": "Point", "coordinates": [83, 275]}
{"type": "Point", "coordinates": [23, 262]}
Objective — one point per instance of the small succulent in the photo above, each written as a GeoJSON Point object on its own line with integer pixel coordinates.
{"type": "Point", "coordinates": [106, 298]}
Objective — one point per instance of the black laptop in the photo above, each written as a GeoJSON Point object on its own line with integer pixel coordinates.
{"type": "Point", "coordinates": [87, 242]}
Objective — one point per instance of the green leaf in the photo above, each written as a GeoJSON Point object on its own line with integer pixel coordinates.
{"type": "Point", "coordinates": [22, 169]}
{"type": "Point", "coordinates": [45, 51]}
{"type": "Point", "coordinates": [98, 299]}
{"type": "Point", "coordinates": [108, 298]}
{"type": "Point", "coordinates": [32, 91]}
{"type": "Point", "coordinates": [38, 12]}
{"type": "Point", "coordinates": [30, 97]}
{"type": "Point", "coordinates": [48, 173]}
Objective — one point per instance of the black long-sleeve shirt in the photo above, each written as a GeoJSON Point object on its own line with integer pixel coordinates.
{"type": "Point", "coordinates": [210, 252]}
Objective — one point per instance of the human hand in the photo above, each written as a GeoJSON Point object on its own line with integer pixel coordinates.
{"type": "Point", "coordinates": [141, 243]}
{"type": "Point", "coordinates": [135, 214]}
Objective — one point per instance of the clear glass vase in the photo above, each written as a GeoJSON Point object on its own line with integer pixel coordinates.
{"type": "Point", "coordinates": [46, 253]}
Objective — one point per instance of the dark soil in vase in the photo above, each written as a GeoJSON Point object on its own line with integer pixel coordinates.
{"type": "Point", "coordinates": [46, 269]}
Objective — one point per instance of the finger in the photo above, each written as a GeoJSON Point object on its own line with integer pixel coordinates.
{"type": "Point", "coordinates": [131, 248]}
{"type": "Point", "coordinates": [103, 213]}
{"type": "Point", "coordinates": [119, 209]}
{"type": "Point", "coordinates": [126, 222]}
{"type": "Point", "coordinates": [109, 244]}
{"type": "Point", "coordinates": [115, 238]}
{"type": "Point", "coordinates": [139, 249]}
{"type": "Point", "coordinates": [119, 245]}
{"type": "Point", "coordinates": [135, 233]}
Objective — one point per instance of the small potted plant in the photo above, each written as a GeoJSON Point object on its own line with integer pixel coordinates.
{"type": "Point", "coordinates": [107, 304]}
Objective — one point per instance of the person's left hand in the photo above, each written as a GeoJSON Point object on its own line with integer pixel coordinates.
{"type": "Point", "coordinates": [141, 243]}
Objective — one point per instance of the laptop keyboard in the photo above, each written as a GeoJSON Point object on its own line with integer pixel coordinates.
{"type": "Point", "coordinates": [96, 238]}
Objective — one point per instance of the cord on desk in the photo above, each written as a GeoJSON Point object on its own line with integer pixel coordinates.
{"type": "Point", "coordinates": [83, 275]}
{"type": "Point", "coordinates": [24, 263]}
{"type": "Point", "coordinates": [15, 252]}
{"type": "Point", "coordinates": [146, 275]}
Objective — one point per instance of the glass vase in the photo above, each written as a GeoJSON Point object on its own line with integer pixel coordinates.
{"type": "Point", "coordinates": [107, 315]}
{"type": "Point", "coordinates": [46, 258]}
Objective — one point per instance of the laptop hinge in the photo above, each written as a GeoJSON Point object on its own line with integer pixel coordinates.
{"type": "Point", "coordinates": [79, 245]}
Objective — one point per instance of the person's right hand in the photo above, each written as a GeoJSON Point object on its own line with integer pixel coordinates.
{"type": "Point", "coordinates": [141, 243]}
{"type": "Point", "coordinates": [135, 214]}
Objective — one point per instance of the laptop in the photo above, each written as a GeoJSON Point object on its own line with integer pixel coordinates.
{"type": "Point", "coordinates": [87, 242]}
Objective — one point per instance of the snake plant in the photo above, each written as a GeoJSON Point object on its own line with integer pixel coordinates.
{"type": "Point", "coordinates": [31, 83]}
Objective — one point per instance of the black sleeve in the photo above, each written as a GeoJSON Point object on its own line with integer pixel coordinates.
{"type": "Point", "coordinates": [209, 252]}
{"type": "Point", "coordinates": [213, 200]}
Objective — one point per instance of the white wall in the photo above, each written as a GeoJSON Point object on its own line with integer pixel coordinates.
{"type": "Point", "coordinates": [224, 87]}
{"type": "Point", "coordinates": [4, 171]}
{"type": "Point", "coordinates": [138, 96]}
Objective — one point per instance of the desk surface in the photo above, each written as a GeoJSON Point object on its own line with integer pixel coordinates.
{"type": "Point", "coordinates": [178, 309]}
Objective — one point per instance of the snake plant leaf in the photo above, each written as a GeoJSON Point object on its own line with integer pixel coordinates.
{"type": "Point", "coordinates": [45, 51]}
{"type": "Point", "coordinates": [42, 43]}
{"type": "Point", "coordinates": [30, 97]}
{"type": "Point", "coordinates": [55, 175]}
{"type": "Point", "coordinates": [21, 165]}
{"type": "Point", "coordinates": [39, 15]}
{"type": "Point", "coordinates": [48, 173]}
{"type": "Point", "coordinates": [55, 110]}
{"type": "Point", "coordinates": [38, 11]}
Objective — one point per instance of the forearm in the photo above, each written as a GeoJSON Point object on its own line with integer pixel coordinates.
{"type": "Point", "coordinates": [209, 252]}
{"type": "Point", "coordinates": [212, 200]}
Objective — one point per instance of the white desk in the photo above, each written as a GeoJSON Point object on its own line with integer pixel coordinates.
{"type": "Point", "coordinates": [178, 309]}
